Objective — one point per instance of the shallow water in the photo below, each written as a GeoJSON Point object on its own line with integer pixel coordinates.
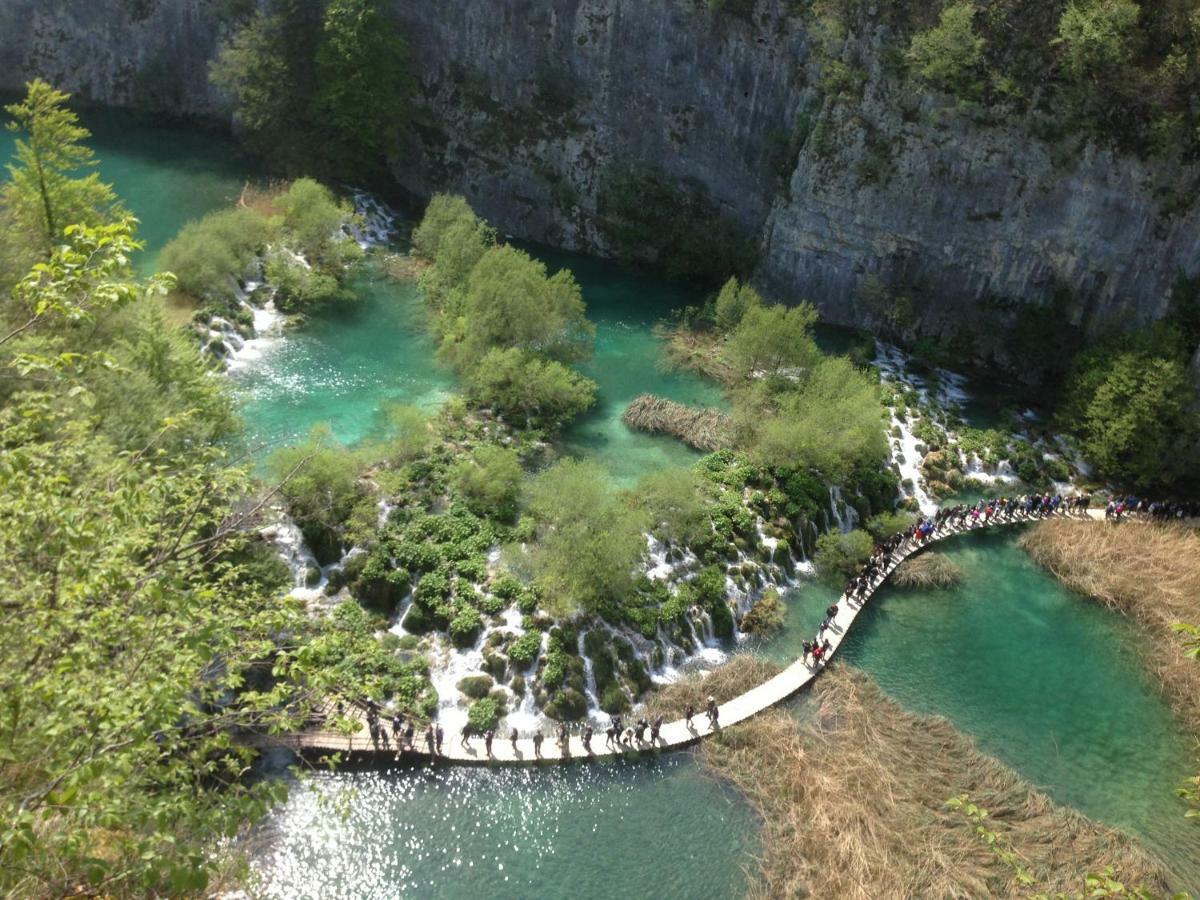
{"type": "Point", "coordinates": [608, 830]}
{"type": "Point", "coordinates": [1046, 682]}
{"type": "Point", "coordinates": [1043, 679]}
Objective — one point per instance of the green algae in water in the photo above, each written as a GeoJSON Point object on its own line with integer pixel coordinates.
{"type": "Point", "coordinates": [1044, 680]}
{"type": "Point", "coordinates": [610, 830]}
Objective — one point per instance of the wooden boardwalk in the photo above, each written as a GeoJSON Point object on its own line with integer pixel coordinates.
{"type": "Point", "coordinates": [674, 735]}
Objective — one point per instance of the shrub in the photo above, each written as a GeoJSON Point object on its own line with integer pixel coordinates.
{"type": "Point", "coordinates": [568, 705]}
{"type": "Point", "coordinates": [524, 650]}
{"type": "Point", "coordinates": [614, 700]}
{"type": "Point", "coordinates": [209, 256]}
{"type": "Point", "coordinates": [465, 625]}
{"type": "Point", "coordinates": [490, 481]}
{"type": "Point", "coordinates": [484, 715]}
{"type": "Point", "coordinates": [476, 686]}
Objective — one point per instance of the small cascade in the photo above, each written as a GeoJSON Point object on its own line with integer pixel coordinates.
{"type": "Point", "coordinates": [376, 225]}
{"type": "Point", "coordinates": [843, 514]}
{"type": "Point", "coordinates": [589, 682]}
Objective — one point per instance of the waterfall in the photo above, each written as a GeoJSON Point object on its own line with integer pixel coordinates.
{"type": "Point", "coordinates": [844, 515]}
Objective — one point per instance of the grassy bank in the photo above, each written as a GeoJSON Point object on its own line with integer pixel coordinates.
{"type": "Point", "coordinates": [854, 796]}
{"type": "Point", "coordinates": [1150, 573]}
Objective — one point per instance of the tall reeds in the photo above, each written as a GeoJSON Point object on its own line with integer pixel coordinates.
{"type": "Point", "coordinates": [704, 428]}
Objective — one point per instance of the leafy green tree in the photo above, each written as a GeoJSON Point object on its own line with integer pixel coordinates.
{"type": "Point", "coordinates": [314, 219]}
{"type": "Point", "coordinates": [840, 556]}
{"type": "Point", "coordinates": [443, 212]}
{"type": "Point", "coordinates": [490, 480]}
{"type": "Point", "coordinates": [1096, 36]}
{"type": "Point", "coordinates": [528, 388]}
{"type": "Point", "coordinates": [365, 83]}
{"type": "Point", "coordinates": [772, 339]}
{"type": "Point", "coordinates": [409, 436]}
{"type": "Point", "coordinates": [589, 542]}
{"type": "Point", "coordinates": [831, 421]}
{"type": "Point", "coordinates": [732, 302]}
{"type": "Point", "coordinates": [320, 481]}
{"type": "Point", "coordinates": [1132, 411]}
{"type": "Point", "coordinates": [949, 56]}
{"type": "Point", "coordinates": [207, 257]}
{"type": "Point", "coordinates": [46, 191]}
{"type": "Point", "coordinates": [511, 303]}
{"type": "Point", "coordinates": [676, 507]}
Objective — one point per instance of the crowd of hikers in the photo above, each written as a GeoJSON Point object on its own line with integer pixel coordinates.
{"type": "Point", "coordinates": [643, 733]}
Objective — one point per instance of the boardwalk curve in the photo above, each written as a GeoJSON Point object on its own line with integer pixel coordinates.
{"type": "Point", "coordinates": [675, 734]}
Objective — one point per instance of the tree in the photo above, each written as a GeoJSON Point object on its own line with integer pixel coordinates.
{"type": "Point", "coordinates": [443, 212]}
{"type": "Point", "coordinates": [490, 480]}
{"type": "Point", "coordinates": [207, 257]}
{"type": "Point", "coordinates": [772, 339]}
{"type": "Point", "coordinates": [409, 436]}
{"type": "Point", "coordinates": [732, 303]}
{"type": "Point", "coordinates": [840, 556]}
{"type": "Point", "coordinates": [365, 84]}
{"type": "Point", "coordinates": [949, 55]}
{"type": "Point", "coordinates": [589, 542]}
{"type": "Point", "coordinates": [1131, 410]}
{"type": "Point", "coordinates": [528, 388]}
{"type": "Point", "coordinates": [314, 219]}
{"type": "Point", "coordinates": [46, 193]}
{"type": "Point", "coordinates": [1096, 36]}
{"type": "Point", "coordinates": [511, 303]}
{"type": "Point", "coordinates": [675, 507]}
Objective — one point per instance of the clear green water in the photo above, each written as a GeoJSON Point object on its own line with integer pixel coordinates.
{"type": "Point", "coordinates": [1044, 680]}
{"type": "Point", "coordinates": [619, 830]}
{"type": "Point", "coordinates": [1047, 683]}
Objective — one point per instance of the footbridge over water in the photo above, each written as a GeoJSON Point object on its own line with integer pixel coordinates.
{"type": "Point", "coordinates": [675, 734]}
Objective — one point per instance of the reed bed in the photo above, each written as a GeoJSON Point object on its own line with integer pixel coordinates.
{"type": "Point", "coordinates": [698, 351]}
{"type": "Point", "coordinates": [853, 803]}
{"type": "Point", "coordinates": [741, 673]}
{"type": "Point", "coordinates": [928, 570]}
{"type": "Point", "coordinates": [1150, 573]}
{"type": "Point", "coordinates": [704, 428]}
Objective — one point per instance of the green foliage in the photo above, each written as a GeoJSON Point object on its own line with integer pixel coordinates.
{"type": "Point", "coordinates": [409, 436]}
{"type": "Point", "coordinates": [365, 84]}
{"type": "Point", "coordinates": [840, 556]}
{"type": "Point", "coordinates": [886, 524]}
{"type": "Point", "coordinates": [510, 303]}
{"type": "Point", "coordinates": [46, 191]}
{"type": "Point", "coordinates": [770, 339]}
{"type": "Point", "coordinates": [1131, 411]}
{"type": "Point", "coordinates": [949, 55]}
{"type": "Point", "coordinates": [313, 219]}
{"type": "Point", "coordinates": [320, 481]}
{"type": "Point", "coordinates": [732, 303]}
{"type": "Point", "coordinates": [675, 506]}
{"type": "Point", "coordinates": [324, 86]}
{"type": "Point", "coordinates": [1096, 36]}
{"type": "Point", "coordinates": [444, 212]}
{"type": "Point", "coordinates": [464, 627]}
{"type": "Point", "coordinates": [529, 389]}
{"type": "Point", "coordinates": [484, 715]}
{"type": "Point", "coordinates": [490, 481]}
{"type": "Point", "coordinates": [524, 650]}
{"type": "Point", "coordinates": [301, 288]}
{"type": "Point", "coordinates": [588, 540]}
{"type": "Point", "coordinates": [831, 420]}
{"type": "Point", "coordinates": [207, 257]}
{"type": "Point", "coordinates": [476, 687]}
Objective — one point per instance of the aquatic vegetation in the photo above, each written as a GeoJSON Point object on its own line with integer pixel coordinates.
{"type": "Point", "coordinates": [928, 570]}
{"type": "Point", "coordinates": [702, 428]}
{"type": "Point", "coordinates": [766, 615]}
{"type": "Point", "coordinates": [853, 803]}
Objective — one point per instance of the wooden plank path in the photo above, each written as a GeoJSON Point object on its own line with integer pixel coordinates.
{"type": "Point", "coordinates": [675, 734]}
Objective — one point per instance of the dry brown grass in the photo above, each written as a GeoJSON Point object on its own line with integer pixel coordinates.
{"type": "Point", "coordinates": [698, 351]}
{"type": "Point", "coordinates": [704, 428]}
{"type": "Point", "coordinates": [927, 570]}
{"type": "Point", "coordinates": [733, 679]}
{"type": "Point", "coordinates": [1150, 573]}
{"type": "Point", "coordinates": [853, 803]}
{"type": "Point", "coordinates": [262, 197]}
{"type": "Point", "coordinates": [404, 267]}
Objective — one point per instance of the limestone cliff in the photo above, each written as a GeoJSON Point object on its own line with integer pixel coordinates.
{"type": "Point", "coordinates": [537, 109]}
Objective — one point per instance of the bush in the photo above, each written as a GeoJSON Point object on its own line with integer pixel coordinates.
{"type": "Point", "coordinates": [527, 388]}
{"type": "Point", "coordinates": [490, 481]}
{"type": "Point", "coordinates": [524, 650]}
{"type": "Point", "coordinates": [209, 256]}
{"type": "Point", "coordinates": [840, 556]}
{"type": "Point", "coordinates": [885, 524]}
{"type": "Point", "coordinates": [300, 288]}
{"type": "Point", "coordinates": [568, 705]}
{"type": "Point", "coordinates": [614, 700]}
{"type": "Point", "coordinates": [464, 627]}
{"type": "Point", "coordinates": [313, 219]}
{"type": "Point", "coordinates": [484, 715]}
{"type": "Point", "coordinates": [476, 686]}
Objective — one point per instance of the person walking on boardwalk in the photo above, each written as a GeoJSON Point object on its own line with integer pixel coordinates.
{"type": "Point", "coordinates": [688, 714]}
{"type": "Point", "coordinates": [487, 741]}
{"type": "Point", "coordinates": [562, 735]}
{"type": "Point", "coordinates": [713, 711]}
{"type": "Point", "coordinates": [587, 738]}
{"type": "Point", "coordinates": [429, 744]}
{"type": "Point", "coordinates": [397, 727]}
{"type": "Point", "coordinates": [537, 743]}
{"type": "Point", "coordinates": [610, 733]}
{"type": "Point", "coordinates": [642, 725]}
{"type": "Point", "coordinates": [656, 730]}
{"type": "Point", "coordinates": [438, 735]}
{"type": "Point", "coordinates": [409, 733]}
{"type": "Point", "coordinates": [465, 741]}
{"type": "Point", "coordinates": [513, 737]}
{"type": "Point", "coordinates": [807, 648]}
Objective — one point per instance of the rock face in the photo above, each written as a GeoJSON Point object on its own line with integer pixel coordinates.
{"type": "Point", "coordinates": [883, 208]}
{"type": "Point", "coordinates": [149, 54]}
